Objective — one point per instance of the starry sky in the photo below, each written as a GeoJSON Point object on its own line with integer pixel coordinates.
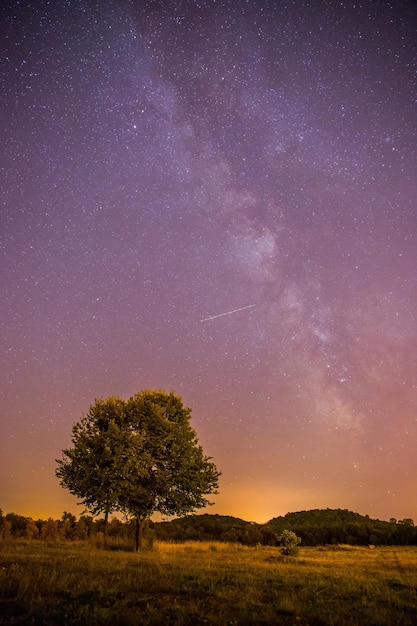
{"type": "Point", "coordinates": [220, 199]}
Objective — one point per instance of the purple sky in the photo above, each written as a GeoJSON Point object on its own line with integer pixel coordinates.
{"type": "Point", "coordinates": [253, 162]}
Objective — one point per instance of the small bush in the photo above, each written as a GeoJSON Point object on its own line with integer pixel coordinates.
{"type": "Point", "coordinates": [289, 542]}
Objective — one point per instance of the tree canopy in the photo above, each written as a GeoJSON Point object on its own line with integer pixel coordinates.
{"type": "Point", "coordinates": [138, 457]}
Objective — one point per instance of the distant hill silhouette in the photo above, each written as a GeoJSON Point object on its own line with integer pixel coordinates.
{"type": "Point", "coordinates": [315, 527]}
{"type": "Point", "coordinates": [331, 526]}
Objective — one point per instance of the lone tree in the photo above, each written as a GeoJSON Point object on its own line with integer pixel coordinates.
{"type": "Point", "coordinates": [138, 457]}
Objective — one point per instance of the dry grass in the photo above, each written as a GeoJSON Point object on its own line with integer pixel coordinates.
{"type": "Point", "coordinates": [207, 583]}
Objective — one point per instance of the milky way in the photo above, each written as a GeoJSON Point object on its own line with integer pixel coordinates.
{"type": "Point", "coordinates": [168, 163]}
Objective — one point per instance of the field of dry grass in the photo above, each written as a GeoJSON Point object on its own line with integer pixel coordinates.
{"type": "Point", "coordinates": [206, 583]}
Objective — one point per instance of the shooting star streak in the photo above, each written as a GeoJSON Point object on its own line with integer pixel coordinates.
{"type": "Point", "coordinates": [214, 317]}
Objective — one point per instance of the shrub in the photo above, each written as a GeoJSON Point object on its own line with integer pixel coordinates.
{"type": "Point", "coordinates": [289, 542]}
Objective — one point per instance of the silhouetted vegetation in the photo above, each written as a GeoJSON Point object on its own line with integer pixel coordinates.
{"type": "Point", "coordinates": [340, 526]}
{"type": "Point", "coordinates": [318, 527]}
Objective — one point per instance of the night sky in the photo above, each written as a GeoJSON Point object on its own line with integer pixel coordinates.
{"type": "Point", "coordinates": [217, 198]}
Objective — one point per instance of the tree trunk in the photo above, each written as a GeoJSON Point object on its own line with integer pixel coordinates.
{"type": "Point", "coordinates": [139, 528]}
{"type": "Point", "coordinates": [106, 519]}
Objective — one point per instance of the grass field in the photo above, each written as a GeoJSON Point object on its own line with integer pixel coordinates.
{"type": "Point", "coordinates": [206, 583]}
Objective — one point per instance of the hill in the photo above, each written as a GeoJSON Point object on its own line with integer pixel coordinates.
{"type": "Point", "coordinates": [208, 527]}
{"type": "Point", "coordinates": [315, 527]}
{"type": "Point", "coordinates": [331, 526]}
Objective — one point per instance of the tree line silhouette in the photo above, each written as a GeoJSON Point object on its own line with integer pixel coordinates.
{"type": "Point", "coordinates": [317, 527]}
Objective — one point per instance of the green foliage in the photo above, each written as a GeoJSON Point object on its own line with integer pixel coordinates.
{"type": "Point", "coordinates": [289, 542]}
{"type": "Point", "coordinates": [169, 473]}
{"type": "Point", "coordinates": [138, 457]}
{"type": "Point", "coordinates": [88, 469]}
